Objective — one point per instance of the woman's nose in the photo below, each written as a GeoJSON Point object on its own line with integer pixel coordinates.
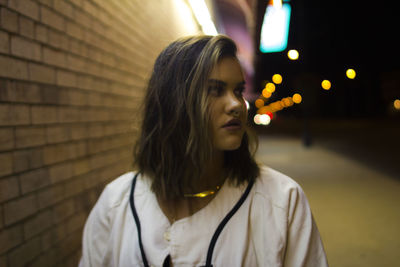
{"type": "Point", "coordinates": [234, 105]}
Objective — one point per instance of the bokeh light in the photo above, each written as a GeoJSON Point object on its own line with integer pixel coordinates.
{"type": "Point", "coordinates": [351, 74]}
{"type": "Point", "coordinates": [270, 87]}
{"type": "Point", "coordinates": [326, 85]}
{"type": "Point", "coordinates": [266, 93]}
{"type": "Point", "coordinates": [293, 54]}
{"type": "Point", "coordinates": [277, 78]}
{"type": "Point", "coordinates": [396, 104]}
{"type": "Point", "coordinates": [259, 103]}
{"type": "Point", "coordinates": [297, 98]}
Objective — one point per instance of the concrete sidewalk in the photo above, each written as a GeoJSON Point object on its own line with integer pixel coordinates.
{"type": "Point", "coordinates": [356, 207]}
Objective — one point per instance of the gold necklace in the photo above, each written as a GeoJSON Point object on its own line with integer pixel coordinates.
{"type": "Point", "coordinates": [204, 193]}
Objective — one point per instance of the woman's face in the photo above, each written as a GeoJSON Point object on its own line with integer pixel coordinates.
{"type": "Point", "coordinates": [227, 106]}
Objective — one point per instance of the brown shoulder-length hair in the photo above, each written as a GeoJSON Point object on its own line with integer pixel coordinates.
{"type": "Point", "coordinates": [175, 142]}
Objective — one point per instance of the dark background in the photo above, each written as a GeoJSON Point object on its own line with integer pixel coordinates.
{"type": "Point", "coordinates": [332, 36]}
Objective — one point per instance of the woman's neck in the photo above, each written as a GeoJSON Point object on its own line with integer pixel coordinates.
{"type": "Point", "coordinates": [213, 175]}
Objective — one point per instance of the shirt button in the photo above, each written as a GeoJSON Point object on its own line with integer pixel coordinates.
{"type": "Point", "coordinates": [167, 236]}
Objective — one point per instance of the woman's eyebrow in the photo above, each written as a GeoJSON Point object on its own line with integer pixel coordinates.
{"type": "Point", "coordinates": [219, 82]}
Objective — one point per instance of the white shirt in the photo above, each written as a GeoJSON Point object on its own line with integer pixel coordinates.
{"type": "Point", "coordinates": [273, 227]}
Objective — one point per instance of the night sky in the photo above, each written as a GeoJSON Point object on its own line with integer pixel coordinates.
{"type": "Point", "coordinates": [332, 36]}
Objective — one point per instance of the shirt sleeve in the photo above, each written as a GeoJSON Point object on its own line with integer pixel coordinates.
{"type": "Point", "coordinates": [96, 233]}
{"type": "Point", "coordinates": [304, 246]}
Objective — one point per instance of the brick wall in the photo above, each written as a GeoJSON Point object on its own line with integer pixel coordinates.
{"type": "Point", "coordinates": [72, 74]}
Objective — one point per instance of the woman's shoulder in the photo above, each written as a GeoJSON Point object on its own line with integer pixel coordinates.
{"type": "Point", "coordinates": [115, 191]}
{"type": "Point", "coordinates": [276, 186]}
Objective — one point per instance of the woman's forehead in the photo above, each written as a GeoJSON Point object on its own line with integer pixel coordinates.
{"type": "Point", "coordinates": [227, 69]}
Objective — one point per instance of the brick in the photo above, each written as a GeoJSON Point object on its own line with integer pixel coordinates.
{"type": "Point", "coordinates": [52, 94]}
{"type": "Point", "coordinates": [44, 114]}
{"type": "Point", "coordinates": [19, 209]}
{"type": "Point", "coordinates": [66, 78]}
{"type": "Point", "coordinates": [26, 27]}
{"type": "Point", "coordinates": [78, 3]}
{"type": "Point", "coordinates": [4, 42]}
{"type": "Point", "coordinates": [75, 30]}
{"type": "Point", "coordinates": [34, 180]}
{"type": "Point", "coordinates": [54, 57]}
{"type": "Point", "coordinates": [25, 253]}
{"type": "Point", "coordinates": [83, 19]}
{"type": "Point", "coordinates": [8, 188]}
{"type": "Point", "coordinates": [76, 222]}
{"type": "Point", "coordinates": [79, 132]}
{"type": "Point", "coordinates": [3, 259]}
{"type": "Point", "coordinates": [15, 91]}
{"type": "Point", "coordinates": [52, 19]}
{"type": "Point", "coordinates": [6, 139]}
{"type": "Point", "coordinates": [56, 153]}
{"type": "Point", "coordinates": [24, 48]}
{"type": "Point", "coordinates": [29, 136]}
{"type": "Point", "coordinates": [64, 8]}
{"type": "Point", "coordinates": [85, 82]}
{"type": "Point", "coordinates": [13, 68]}
{"type": "Point", "coordinates": [50, 196]}
{"type": "Point", "coordinates": [96, 130]}
{"type": "Point", "coordinates": [8, 20]}
{"type": "Point", "coordinates": [69, 114]}
{"type": "Point", "coordinates": [74, 187]}
{"type": "Point", "coordinates": [37, 224]}
{"type": "Point", "coordinates": [58, 40]}
{"type": "Point", "coordinates": [57, 134]}
{"type": "Point", "coordinates": [90, 8]}
{"type": "Point", "coordinates": [10, 237]}
{"type": "Point", "coordinates": [41, 33]}
{"type": "Point", "coordinates": [75, 46]}
{"type": "Point", "coordinates": [27, 159]}
{"type": "Point", "coordinates": [78, 98]}
{"type": "Point", "coordinates": [26, 7]}
{"type": "Point", "coordinates": [41, 73]}
{"type": "Point", "coordinates": [14, 114]}
{"type": "Point", "coordinates": [48, 3]}
{"type": "Point", "coordinates": [78, 149]}
{"type": "Point", "coordinates": [48, 259]}
{"type": "Point", "coordinates": [53, 236]}
{"type": "Point", "coordinates": [70, 243]}
{"type": "Point", "coordinates": [60, 172]}
{"type": "Point", "coordinates": [63, 211]}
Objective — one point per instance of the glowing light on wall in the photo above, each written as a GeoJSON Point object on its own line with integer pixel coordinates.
{"type": "Point", "coordinates": [293, 54]}
{"type": "Point", "coordinates": [203, 16]}
{"type": "Point", "coordinates": [326, 85]}
{"type": "Point", "coordinates": [351, 74]}
{"type": "Point", "coordinates": [277, 78]}
{"type": "Point", "coordinates": [275, 27]}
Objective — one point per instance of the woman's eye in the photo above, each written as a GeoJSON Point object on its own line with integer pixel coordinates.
{"type": "Point", "coordinates": [239, 91]}
{"type": "Point", "coordinates": [215, 90]}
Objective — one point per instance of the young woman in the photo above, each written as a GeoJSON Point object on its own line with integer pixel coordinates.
{"type": "Point", "coordinates": [198, 198]}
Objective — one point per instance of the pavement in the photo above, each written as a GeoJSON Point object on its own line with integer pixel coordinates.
{"type": "Point", "coordinates": [349, 171]}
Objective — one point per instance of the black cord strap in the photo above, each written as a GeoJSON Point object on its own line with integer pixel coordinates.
{"type": "Point", "coordinates": [136, 217]}
{"type": "Point", "coordinates": [213, 239]}
{"type": "Point", "coordinates": [224, 222]}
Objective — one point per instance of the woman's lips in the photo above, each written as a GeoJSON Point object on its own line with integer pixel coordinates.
{"type": "Point", "coordinates": [233, 124]}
